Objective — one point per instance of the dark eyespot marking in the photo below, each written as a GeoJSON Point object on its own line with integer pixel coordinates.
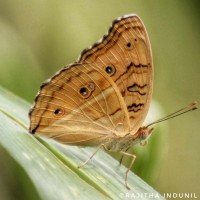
{"type": "Point", "coordinates": [83, 91]}
{"type": "Point", "coordinates": [110, 70]}
{"type": "Point", "coordinates": [129, 44]}
{"type": "Point", "coordinates": [59, 112]}
{"type": "Point", "coordinates": [87, 90]}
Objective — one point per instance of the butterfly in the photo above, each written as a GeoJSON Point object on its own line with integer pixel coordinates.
{"type": "Point", "coordinates": [102, 99]}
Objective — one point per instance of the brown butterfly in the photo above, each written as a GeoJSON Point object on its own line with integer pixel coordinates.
{"type": "Point", "coordinates": [102, 99]}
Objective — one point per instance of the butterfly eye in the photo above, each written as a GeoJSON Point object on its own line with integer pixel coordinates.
{"type": "Point", "coordinates": [83, 91]}
{"type": "Point", "coordinates": [110, 70]}
{"type": "Point", "coordinates": [59, 112]}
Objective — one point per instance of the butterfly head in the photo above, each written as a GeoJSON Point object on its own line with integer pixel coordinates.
{"type": "Point", "coordinates": [144, 133]}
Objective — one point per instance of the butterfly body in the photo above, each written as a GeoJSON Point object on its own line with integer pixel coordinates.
{"type": "Point", "coordinates": [118, 144]}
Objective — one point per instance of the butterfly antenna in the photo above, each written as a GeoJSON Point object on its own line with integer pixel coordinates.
{"type": "Point", "coordinates": [188, 108]}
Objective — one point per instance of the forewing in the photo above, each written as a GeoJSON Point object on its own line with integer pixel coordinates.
{"type": "Point", "coordinates": [126, 49]}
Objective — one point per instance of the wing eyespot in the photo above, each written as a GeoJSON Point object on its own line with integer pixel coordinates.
{"type": "Point", "coordinates": [59, 112]}
{"type": "Point", "coordinates": [83, 91]}
{"type": "Point", "coordinates": [129, 45]}
{"type": "Point", "coordinates": [87, 90]}
{"type": "Point", "coordinates": [110, 70]}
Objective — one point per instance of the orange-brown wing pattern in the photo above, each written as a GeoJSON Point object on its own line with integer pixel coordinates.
{"type": "Point", "coordinates": [125, 55]}
{"type": "Point", "coordinates": [79, 105]}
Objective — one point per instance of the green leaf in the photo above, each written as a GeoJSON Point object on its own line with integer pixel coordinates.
{"type": "Point", "coordinates": [52, 167]}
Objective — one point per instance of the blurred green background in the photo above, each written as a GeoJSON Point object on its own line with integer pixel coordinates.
{"type": "Point", "coordinates": [37, 38]}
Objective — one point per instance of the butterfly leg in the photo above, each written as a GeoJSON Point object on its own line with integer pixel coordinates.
{"type": "Point", "coordinates": [130, 166]}
{"type": "Point", "coordinates": [120, 161]}
{"type": "Point", "coordinates": [84, 163]}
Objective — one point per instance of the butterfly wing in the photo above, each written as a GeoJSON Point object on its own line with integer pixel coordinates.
{"type": "Point", "coordinates": [80, 105]}
{"type": "Point", "coordinates": [125, 55]}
